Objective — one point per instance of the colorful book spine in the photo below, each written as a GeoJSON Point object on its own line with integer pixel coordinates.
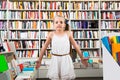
{"type": "Point", "coordinates": [106, 42]}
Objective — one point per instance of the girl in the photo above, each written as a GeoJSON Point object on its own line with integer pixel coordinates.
{"type": "Point", "coordinates": [61, 66]}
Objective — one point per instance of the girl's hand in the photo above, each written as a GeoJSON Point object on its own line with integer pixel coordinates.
{"type": "Point", "coordinates": [84, 62]}
{"type": "Point", "coordinates": [37, 64]}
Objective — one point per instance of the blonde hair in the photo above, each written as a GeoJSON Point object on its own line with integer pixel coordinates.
{"type": "Point", "coordinates": [67, 27]}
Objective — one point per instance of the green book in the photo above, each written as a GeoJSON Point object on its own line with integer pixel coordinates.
{"type": "Point", "coordinates": [3, 63]}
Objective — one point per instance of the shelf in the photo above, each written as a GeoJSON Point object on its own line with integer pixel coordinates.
{"type": "Point", "coordinates": [7, 53]}
{"type": "Point", "coordinates": [88, 19]}
{"type": "Point", "coordinates": [23, 19]}
{"type": "Point", "coordinates": [79, 73]}
{"type": "Point", "coordinates": [24, 29]}
{"type": "Point", "coordinates": [23, 9]}
{"type": "Point", "coordinates": [23, 49]}
{"type": "Point", "coordinates": [24, 39]}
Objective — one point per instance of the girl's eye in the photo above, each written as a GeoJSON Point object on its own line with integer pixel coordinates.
{"type": "Point", "coordinates": [61, 22]}
{"type": "Point", "coordinates": [56, 22]}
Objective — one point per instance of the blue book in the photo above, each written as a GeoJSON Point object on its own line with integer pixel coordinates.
{"type": "Point", "coordinates": [107, 44]}
{"type": "Point", "coordinates": [28, 69]}
{"type": "Point", "coordinates": [85, 24]}
{"type": "Point", "coordinates": [85, 54]}
{"type": "Point", "coordinates": [118, 39]}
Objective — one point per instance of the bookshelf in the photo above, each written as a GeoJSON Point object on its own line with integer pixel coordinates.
{"type": "Point", "coordinates": [84, 18]}
{"type": "Point", "coordinates": [110, 16]}
{"type": "Point", "coordinates": [27, 23]}
{"type": "Point", "coordinates": [7, 71]}
{"type": "Point", "coordinates": [3, 19]}
{"type": "Point", "coordinates": [24, 27]}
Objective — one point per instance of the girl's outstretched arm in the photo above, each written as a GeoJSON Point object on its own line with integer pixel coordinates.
{"type": "Point", "coordinates": [44, 47]}
{"type": "Point", "coordinates": [77, 48]}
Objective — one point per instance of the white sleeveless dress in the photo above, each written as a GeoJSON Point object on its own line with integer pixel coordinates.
{"type": "Point", "coordinates": [61, 66]}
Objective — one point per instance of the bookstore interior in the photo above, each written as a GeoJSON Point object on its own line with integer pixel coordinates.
{"type": "Point", "coordinates": [25, 24]}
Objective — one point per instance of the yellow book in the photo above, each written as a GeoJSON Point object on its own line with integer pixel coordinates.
{"type": "Point", "coordinates": [16, 24]}
{"type": "Point", "coordinates": [76, 14]}
{"type": "Point", "coordinates": [23, 15]}
{"type": "Point", "coordinates": [48, 25]}
{"type": "Point", "coordinates": [51, 15]}
{"type": "Point", "coordinates": [118, 24]}
{"type": "Point", "coordinates": [20, 7]}
{"type": "Point", "coordinates": [113, 39]}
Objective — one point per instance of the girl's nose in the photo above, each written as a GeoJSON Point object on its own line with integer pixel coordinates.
{"type": "Point", "coordinates": [59, 23]}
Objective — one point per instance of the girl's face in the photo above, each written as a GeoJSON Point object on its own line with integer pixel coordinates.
{"type": "Point", "coordinates": [59, 23]}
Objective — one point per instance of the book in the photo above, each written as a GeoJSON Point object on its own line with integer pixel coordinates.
{"type": "Point", "coordinates": [106, 42]}
{"type": "Point", "coordinates": [85, 54]}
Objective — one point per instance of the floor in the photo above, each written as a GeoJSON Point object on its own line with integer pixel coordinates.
{"type": "Point", "coordinates": [91, 78]}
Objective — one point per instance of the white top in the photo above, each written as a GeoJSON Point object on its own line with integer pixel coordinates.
{"type": "Point", "coordinates": [60, 44]}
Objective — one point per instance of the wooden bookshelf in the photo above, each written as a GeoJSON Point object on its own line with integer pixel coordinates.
{"type": "Point", "coordinates": [28, 22]}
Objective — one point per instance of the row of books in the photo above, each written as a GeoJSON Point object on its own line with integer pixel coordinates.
{"type": "Point", "coordinates": [27, 54]}
{"type": "Point", "coordinates": [84, 24]}
{"type": "Point", "coordinates": [13, 45]}
{"type": "Point", "coordinates": [81, 5]}
{"type": "Point", "coordinates": [54, 5]}
{"type": "Point", "coordinates": [110, 5]}
{"type": "Point", "coordinates": [89, 44]}
{"type": "Point", "coordinates": [73, 14]}
{"type": "Point", "coordinates": [23, 35]}
{"type": "Point", "coordinates": [35, 14]}
{"type": "Point", "coordinates": [84, 15]}
{"type": "Point", "coordinates": [110, 15]}
{"type": "Point", "coordinates": [85, 34]}
{"type": "Point", "coordinates": [3, 14]}
{"type": "Point", "coordinates": [26, 44]}
{"type": "Point", "coordinates": [23, 5]}
{"type": "Point", "coordinates": [23, 24]}
{"type": "Point", "coordinates": [84, 5]}
{"type": "Point", "coordinates": [110, 24]}
{"type": "Point", "coordinates": [51, 14]}
{"type": "Point", "coordinates": [23, 15]}
{"type": "Point", "coordinates": [49, 24]}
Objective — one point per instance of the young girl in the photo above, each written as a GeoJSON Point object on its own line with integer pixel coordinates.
{"type": "Point", "coordinates": [61, 67]}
